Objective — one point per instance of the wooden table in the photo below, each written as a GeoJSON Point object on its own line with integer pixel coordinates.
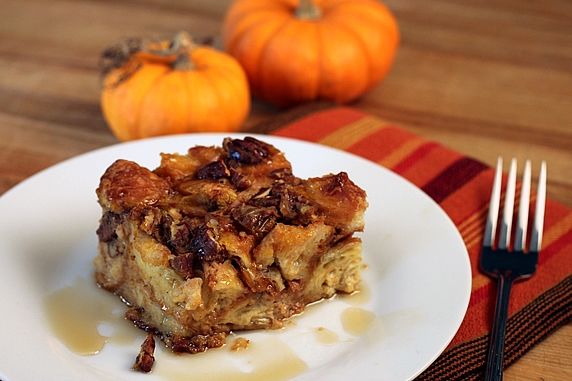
{"type": "Point", "coordinates": [485, 78]}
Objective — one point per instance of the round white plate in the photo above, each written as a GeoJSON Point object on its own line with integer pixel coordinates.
{"type": "Point", "coordinates": [418, 272]}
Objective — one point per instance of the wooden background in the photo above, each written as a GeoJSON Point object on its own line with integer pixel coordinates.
{"type": "Point", "coordinates": [485, 78]}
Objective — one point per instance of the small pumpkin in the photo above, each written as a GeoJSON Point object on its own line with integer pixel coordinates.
{"type": "Point", "coordinates": [167, 87]}
{"type": "Point", "coordinates": [301, 50]}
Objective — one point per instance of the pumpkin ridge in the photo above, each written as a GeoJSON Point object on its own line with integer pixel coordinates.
{"type": "Point", "coordinates": [261, 81]}
{"type": "Point", "coordinates": [251, 74]}
{"type": "Point", "coordinates": [320, 53]}
{"type": "Point", "coordinates": [188, 94]}
{"type": "Point", "coordinates": [320, 59]}
{"type": "Point", "coordinates": [380, 70]}
{"type": "Point", "coordinates": [317, 63]}
{"type": "Point", "coordinates": [347, 71]}
{"type": "Point", "coordinates": [226, 71]}
{"type": "Point", "coordinates": [363, 46]}
{"type": "Point", "coordinates": [203, 59]}
{"type": "Point", "coordinates": [217, 91]}
{"type": "Point", "coordinates": [248, 30]}
{"type": "Point", "coordinates": [138, 132]}
{"type": "Point", "coordinates": [230, 80]}
{"type": "Point", "coordinates": [237, 36]}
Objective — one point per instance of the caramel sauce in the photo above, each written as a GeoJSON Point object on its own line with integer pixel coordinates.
{"type": "Point", "coordinates": [239, 344]}
{"type": "Point", "coordinates": [76, 314]}
{"type": "Point", "coordinates": [325, 336]}
{"type": "Point", "coordinates": [265, 360]}
{"type": "Point", "coordinates": [77, 311]}
{"type": "Point", "coordinates": [359, 297]}
{"type": "Point", "coordinates": [356, 321]}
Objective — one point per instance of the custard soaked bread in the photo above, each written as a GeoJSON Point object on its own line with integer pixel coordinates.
{"type": "Point", "coordinates": [225, 238]}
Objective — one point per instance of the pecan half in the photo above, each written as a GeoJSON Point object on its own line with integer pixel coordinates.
{"type": "Point", "coordinates": [246, 151]}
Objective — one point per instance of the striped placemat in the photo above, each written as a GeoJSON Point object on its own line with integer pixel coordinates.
{"type": "Point", "coordinates": [461, 186]}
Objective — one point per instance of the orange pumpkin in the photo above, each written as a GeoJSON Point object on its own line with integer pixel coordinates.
{"type": "Point", "coordinates": [167, 87]}
{"type": "Point", "coordinates": [300, 50]}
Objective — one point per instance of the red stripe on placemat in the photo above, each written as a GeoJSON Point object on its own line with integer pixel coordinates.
{"type": "Point", "coordinates": [415, 157]}
{"type": "Point", "coordinates": [320, 124]}
{"type": "Point", "coordinates": [470, 198]}
{"type": "Point", "coordinates": [422, 169]}
{"type": "Point", "coordinates": [452, 178]}
{"type": "Point", "coordinates": [380, 143]}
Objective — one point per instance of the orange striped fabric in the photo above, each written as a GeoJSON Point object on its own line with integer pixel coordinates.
{"type": "Point", "coordinates": [461, 186]}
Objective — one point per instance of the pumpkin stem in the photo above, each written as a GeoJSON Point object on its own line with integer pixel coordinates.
{"type": "Point", "coordinates": [182, 45]}
{"type": "Point", "coordinates": [307, 10]}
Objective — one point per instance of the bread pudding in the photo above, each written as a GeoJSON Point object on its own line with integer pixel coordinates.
{"type": "Point", "coordinates": [224, 238]}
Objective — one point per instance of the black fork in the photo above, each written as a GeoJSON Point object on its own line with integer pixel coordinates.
{"type": "Point", "coordinates": [504, 264]}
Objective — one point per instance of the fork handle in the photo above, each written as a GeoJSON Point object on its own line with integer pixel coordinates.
{"type": "Point", "coordinates": [496, 345]}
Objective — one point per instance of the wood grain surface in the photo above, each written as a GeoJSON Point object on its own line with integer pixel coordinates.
{"type": "Point", "coordinates": [485, 78]}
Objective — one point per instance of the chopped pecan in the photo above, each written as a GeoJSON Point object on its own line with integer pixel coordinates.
{"type": "Point", "coordinates": [213, 171]}
{"type": "Point", "coordinates": [183, 265]}
{"type": "Point", "coordinates": [195, 344]}
{"type": "Point", "coordinates": [239, 181]}
{"type": "Point", "coordinates": [265, 198]}
{"type": "Point", "coordinates": [253, 279]}
{"type": "Point", "coordinates": [296, 208]}
{"type": "Point", "coordinates": [336, 183]}
{"type": "Point", "coordinates": [204, 245]}
{"type": "Point", "coordinates": [256, 220]}
{"type": "Point", "coordinates": [246, 151]}
{"type": "Point", "coordinates": [281, 173]}
{"type": "Point", "coordinates": [163, 231]}
{"type": "Point", "coordinates": [180, 238]}
{"type": "Point", "coordinates": [107, 226]}
{"type": "Point", "coordinates": [145, 359]}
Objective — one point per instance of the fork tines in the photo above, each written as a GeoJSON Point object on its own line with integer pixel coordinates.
{"type": "Point", "coordinates": [521, 229]}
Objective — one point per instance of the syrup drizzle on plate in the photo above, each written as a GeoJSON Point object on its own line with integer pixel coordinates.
{"type": "Point", "coordinates": [80, 313]}
{"type": "Point", "coordinates": [76, 312]}
{"type": "Point", "coordinates": [264, 360]}
{"type": "Point", "coordinates": [325, 336]}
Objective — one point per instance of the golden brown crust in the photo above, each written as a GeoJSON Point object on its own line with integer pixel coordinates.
{"type": "Point", "coordinates": [226, 238]}
{"type": "Point", "coordinates": [126, 185]}
{"type": "Point", "coordinates": [175, 167]}
{"type": "Point", "coordinates": [341, 201]}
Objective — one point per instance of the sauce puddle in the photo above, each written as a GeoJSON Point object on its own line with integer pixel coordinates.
{"type": "Point", "coordinates": [325, 336]}
{"type": "Point", "coordinates": [85, 318]}
{"type": "Point", "coordinates": [264, 360]}
{"type": "Point", "coordinates": [359, 297]}
{"type": "Point", "coordinates": [356, 321]}
{"type": "Point", "coordinates": [76, 312]}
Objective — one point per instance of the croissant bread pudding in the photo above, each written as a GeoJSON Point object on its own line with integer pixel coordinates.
{"type": "Point", "coordinates": [223, 239]}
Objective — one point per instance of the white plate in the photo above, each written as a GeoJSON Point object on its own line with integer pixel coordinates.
{"type": "Point", "coordinates": [418, 272]}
